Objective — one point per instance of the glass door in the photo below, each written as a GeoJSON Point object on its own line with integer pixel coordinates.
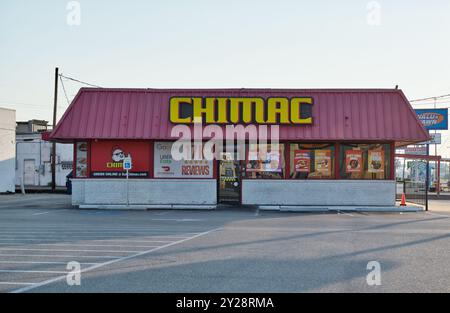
{"type": "Point", "coordinates": [229, 189]}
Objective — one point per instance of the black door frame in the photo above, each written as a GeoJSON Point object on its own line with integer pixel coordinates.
{"type": "Point", "coordinates": [239, 180]}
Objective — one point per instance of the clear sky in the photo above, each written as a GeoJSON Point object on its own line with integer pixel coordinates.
{"type": "Point", "coordinates": [247, 43]}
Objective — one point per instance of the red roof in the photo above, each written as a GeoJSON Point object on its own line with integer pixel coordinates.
{"type": "Point", "coordinates": [339, 114]}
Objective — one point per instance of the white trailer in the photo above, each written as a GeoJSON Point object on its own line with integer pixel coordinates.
{"type": "Point", "coordinates": [7, 149]}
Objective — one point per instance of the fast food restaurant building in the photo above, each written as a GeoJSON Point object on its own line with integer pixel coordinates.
{"type": "Point", "coordinates": [336, 147]}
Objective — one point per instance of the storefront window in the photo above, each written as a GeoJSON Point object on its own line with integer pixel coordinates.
{"type": "Point", "coordinates": [312, 161]}
{"type": "Point", "coordinates": [265, 161]}
{"type": "Point", "coordinates": [365, 161]}
{"type": "Point", "coordinates": [81, 161]}
{"type": "Point", "coordinates": [194, 166]}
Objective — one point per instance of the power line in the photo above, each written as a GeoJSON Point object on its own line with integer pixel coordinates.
{"type": "Point", "coordinates": [64, 89]}
{"type": "Point", "coordinates": [431, 98]}
{"type": "Point", "coordinates": [427, 102]}
{"type": "Point", "coordinates": [79, 81]}
{"type": "Point", "coordinates": [19, 103]}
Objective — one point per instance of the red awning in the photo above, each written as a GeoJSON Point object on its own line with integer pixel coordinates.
{"type": "Point", "coordinates": [339, 114]}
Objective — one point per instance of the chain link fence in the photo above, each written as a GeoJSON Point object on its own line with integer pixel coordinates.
{"type": "Point", "coordinates": [411, 176]}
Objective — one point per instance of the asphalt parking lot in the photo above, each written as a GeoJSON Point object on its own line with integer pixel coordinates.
{"type": "Point", "coordinates": [233, 250]}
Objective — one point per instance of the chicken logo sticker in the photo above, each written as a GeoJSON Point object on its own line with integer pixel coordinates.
{"type": "Point", "coordinates": [118, 155]}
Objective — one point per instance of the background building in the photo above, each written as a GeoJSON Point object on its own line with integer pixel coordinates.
{"type": "Point", "coordinates": [7, 149]}
{"type": "Point", "coordinates": [33, 162]}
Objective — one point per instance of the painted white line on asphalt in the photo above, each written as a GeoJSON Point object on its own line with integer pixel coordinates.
{"type": "Point", "coordinates": [30, 271]}
{"type": "Point", "coordinates": [77, 237]}
{"type": "Point", "coordinates": [69, 239]}
{"type": "Point", "coordinates": [56, 279]}
{"type": "Point", "coordinates": [14, 283]}
{"type": "Point", "coordinates": [345, 213]}
{"type": "Point", "coordinates": [69, 244]}
{"type": "Point", "coordinates": [43, 262]}
{"type": "Point", "coordinates": [63, 256]}
{"type": "Point", "coordinates": [435, 214]}
{"type": "Point", "coordinates": [98, 232]}
{"type": "Point", "coordinates": [46, 212]}
{"type": "Point", "coordinates": [111, 233]}
{"type": "Point", "coordinates": [177, 219]}
{"type": "Point", "coordinates": [67, 250]}
{"type": "Point", "coordinates": [91, 241]}
{"type": "Point", "coordinates": [81, 228]}
{"type": "Point", "coordinates": [40, 213]}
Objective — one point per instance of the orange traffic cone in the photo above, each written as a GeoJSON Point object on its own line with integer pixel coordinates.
{"type": "Point", "coordinates": [403, 202]}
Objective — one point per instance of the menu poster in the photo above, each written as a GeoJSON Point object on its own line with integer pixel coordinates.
{"type": "Point", "coordinates": [322, 162]}
{"type": "Point", "coordinates": [353, 161]}
{"type": "Point", "coordinates": [302, 161]}
{"type": "Point", "coordinates": [81, 161]}
{"type": "Point", "coordinates": [376, 161]}
{"type": "Point", "coordinates": [272, 162]}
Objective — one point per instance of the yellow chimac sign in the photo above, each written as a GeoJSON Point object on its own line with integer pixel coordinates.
{"type": "Point", "coordinates": [218, 110]}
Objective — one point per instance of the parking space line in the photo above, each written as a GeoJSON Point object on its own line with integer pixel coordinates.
{"type": "Point", "coordinates": [43, 262]}
{"type": "Point", "coordinates": [63, 256]}
{"type": "Point", "coordinates": [95, 240]}
{"type": "Point", "coordinates": [56, 279]}
{"type": "Point", "coordinates": [75, 238]}
{"type": "Point", "coordinates": [46, 212]}
{"type": "Point", "coordinates": [15, 283]}
{"type": "Point", "coordinates": [149, 230]}
{"type": "Point", "coordinates": [33, 235]}
{"type": "Point", "coordinates": [31, 271]}
{"type": "Point", "coordinates": [344, 213]}
{"type": "Point", "coordinates": [67, 250]}
{"type": "Point", "coordinates": [115, 230]}
{"type": "Point", "coordinates": [97, 231]}
{"type": "Point", "coordinates": [72, 244]}
{"type": "Point", "coordinates": [40, 213]}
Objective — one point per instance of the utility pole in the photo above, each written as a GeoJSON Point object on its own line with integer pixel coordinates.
{"type": "Point", "coordinates": [55, 104]}
{"type": "Point", "coordinates": [436, 164]}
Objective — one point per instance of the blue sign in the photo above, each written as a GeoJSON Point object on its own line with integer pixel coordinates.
{"type": "Point", "coordinates": [433, 118]}
{"type": "Point", "coordinates": [127, 163]}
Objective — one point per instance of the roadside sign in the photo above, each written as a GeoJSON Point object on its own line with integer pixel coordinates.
{"type": "Point", "coordinates": [418, 150]}
{"type": "Point", "coordinates": [433, 118]}
{"type": "Point", "coordinates": [435, 139]}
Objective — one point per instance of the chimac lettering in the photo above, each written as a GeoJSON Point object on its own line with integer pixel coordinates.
{"type": "Point", "coordinates": [245, 110]}
{"type": "Point", "coordinates": [114, 165]}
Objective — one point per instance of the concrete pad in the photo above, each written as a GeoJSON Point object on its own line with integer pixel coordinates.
{"type": "Point", "coordinates": [145, 207]}
{"type": "Point", "coordinates": [113, 207]}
